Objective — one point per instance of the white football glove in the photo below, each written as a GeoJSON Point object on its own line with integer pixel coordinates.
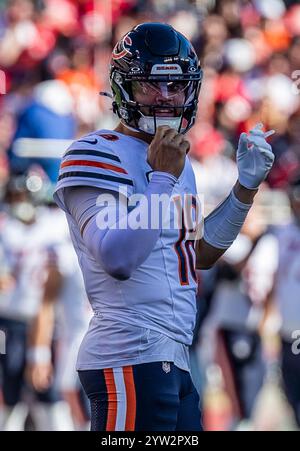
{"type": "Point", "coordinates": [254, 157]}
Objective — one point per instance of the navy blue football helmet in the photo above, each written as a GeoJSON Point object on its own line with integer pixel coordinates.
{"type": "Point", "coordinates": [155, 77]}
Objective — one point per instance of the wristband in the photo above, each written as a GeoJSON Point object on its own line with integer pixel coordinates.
{"type": "Point", "coordinates": [223, 225]}
{"type": "Point", "coordinates": [39, 354]}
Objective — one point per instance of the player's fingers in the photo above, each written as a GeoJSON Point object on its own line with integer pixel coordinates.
{"type": "Point", "coordinates": [161, 131]}
{"type": "Point", "coordinates": [268, 155]}
{"type": "Point", "coordinates": [185, 146]}
{"type": "Point", "coordinates": [269, 133]}
{"type": "Point", "coordinates": [259, 144]}
{"type": "Point", "coordinates": [257, 127]}
{"type": "Point", "coordinates": [170, 135]}
{"type": "Point", "coordinates": [178, 139]}
{"type": "Point", "coordinates": [257, 130]}
{"type": "Point", "coordinates": [243, 144]}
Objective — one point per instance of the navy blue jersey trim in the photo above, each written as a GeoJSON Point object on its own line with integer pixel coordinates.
{"type": "Point", "coordinates": [94, 175]}
{"type": "Point", "coordinates": [93, 141]}
{"type": "Point", "coordinates": [96, 153]}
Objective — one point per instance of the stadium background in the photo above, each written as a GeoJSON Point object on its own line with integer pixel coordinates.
{"type": "Point", "coordinates": [54, 58]}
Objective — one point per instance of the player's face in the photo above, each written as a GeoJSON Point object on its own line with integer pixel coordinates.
{"type": "Point", "coordinates": [164, 95]}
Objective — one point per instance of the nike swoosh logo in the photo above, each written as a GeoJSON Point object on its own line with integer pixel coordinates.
{"type": "Point", "coordinates": [94, 141]}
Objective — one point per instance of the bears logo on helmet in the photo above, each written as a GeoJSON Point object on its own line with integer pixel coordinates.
{"type": "Point", "coordinates": [120, 49]}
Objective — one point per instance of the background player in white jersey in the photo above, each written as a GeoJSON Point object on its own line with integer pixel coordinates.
{"type": "Point", "coordinates": [65, 304]}
{"type": "Point", "coordinates": [25, 239]}
{"type": "Point", "coordinates": [286, 297]}
{"type": "Point", "coordinates": [140, 274]}
{"type": "Point", "coordinates": [231, 331]}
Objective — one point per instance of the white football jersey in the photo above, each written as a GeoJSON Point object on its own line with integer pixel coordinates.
{"type": "Point", "coordinates": [238, 304]}
{"type": "Point", "coordinates": [26, 259]}
{"type": "Point", "coordinates": [73, 310]}
{"type": "Point", "coordinates": [287, 282]}
{"type": "Point", "coordinates": [160, 294]}
{"type": "Point", "coordinates": [73, 313]}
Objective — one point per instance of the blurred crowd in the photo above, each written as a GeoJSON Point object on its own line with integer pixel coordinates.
{"type": "Point", "coordinates": [54, 59]}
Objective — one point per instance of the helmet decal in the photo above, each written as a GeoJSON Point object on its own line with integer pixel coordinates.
{"type": "Point", "coordinates": [118, 54]}
{"type": "Point", "coordinates": [166, 69]}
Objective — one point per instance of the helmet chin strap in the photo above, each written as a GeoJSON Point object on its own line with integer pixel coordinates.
{"type": "Point", "coordinates": [130, 128]}
{"type": "Point", "coordinates": [147, 123]}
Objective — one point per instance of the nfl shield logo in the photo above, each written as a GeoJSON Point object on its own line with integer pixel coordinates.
{"type": "Point", "coordinates": [166, 367]}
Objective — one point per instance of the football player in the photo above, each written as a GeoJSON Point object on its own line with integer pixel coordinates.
{"type": "Point", "coordinates": [64, 300]}
{"type": "Point", "coordinates": [25, 238]}
{"type": "Point", "coordinates": [285, 295]}
{"type": "Point", "coordinates": [138, 266]}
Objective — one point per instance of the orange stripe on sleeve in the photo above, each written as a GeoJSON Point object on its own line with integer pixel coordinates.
{"type": "Point", "coordinates": [112, 399]}
{"type": "Point", "coordinates": [131, 398]}
{"type": "Point", "coordinates": [95, 164]}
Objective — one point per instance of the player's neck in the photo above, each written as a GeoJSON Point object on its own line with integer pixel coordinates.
{"type": "Point", "coordinates": [140, 135]}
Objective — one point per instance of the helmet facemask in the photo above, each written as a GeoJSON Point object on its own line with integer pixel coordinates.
{"type": "Point", "coordinates": [144, 105]}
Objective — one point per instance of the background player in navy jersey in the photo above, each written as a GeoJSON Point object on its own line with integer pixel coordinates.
{"type": "Point", "coordinates": [141, 278]}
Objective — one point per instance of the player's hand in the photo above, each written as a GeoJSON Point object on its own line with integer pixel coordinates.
{"type": "Point", "coordinates": [167, 151]}
{"type": "Point", "coordinates": [254, 157]}
{"type": "Point", "coordinates": [39, 375]}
